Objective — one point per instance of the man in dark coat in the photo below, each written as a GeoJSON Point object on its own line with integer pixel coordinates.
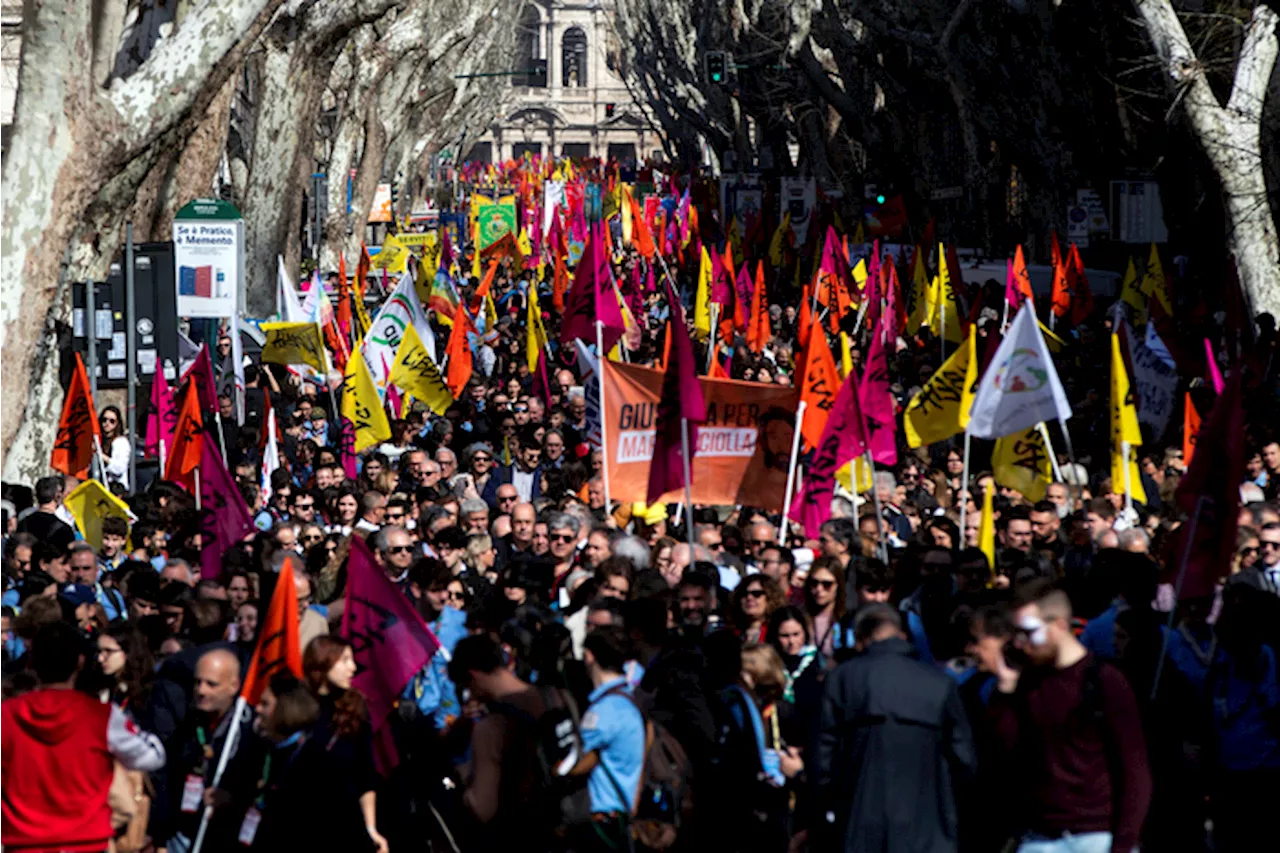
{"type": "Point", "coordinates": [893, 741]}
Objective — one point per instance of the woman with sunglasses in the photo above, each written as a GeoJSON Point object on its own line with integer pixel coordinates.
{"type": "Point", "coordinates": [1248, 548]}
{"type": "Point", "coordinates": [754, 601]}
{"type": "Point", "coordinates": [478, 459]}
{"type": "Point", "coordinates": [824, 605]}
{"type": "Point", "coordinates": [116, 445]}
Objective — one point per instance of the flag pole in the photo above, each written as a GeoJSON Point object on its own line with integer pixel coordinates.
{"type": "Point", "coordinates": [604, 419]}
{"type": "Point", "coordinates": [196, 472]}
{"type": "Point", "coordinates": [715, 330]}
{"type": "Point", "coordinates": [1177, 592]}
{"type": "Point", "coordinates": [791, 474]}
{"type": "Point", "coordinates": [964, 487]}
{"type": "Point", "coordinates": [875, 497]}
{"type": "Point", "coordinates": [688, 480]}
{"type": "Point", "coordinates": [222, 441]}
{"type": "Point", "coordinates": [162, 460]}
{"type": "Point", "coordinates": [1053, 457]}
{"type": "Point", "coordinates": [942, 326]}
{"type": "Point", "coordinates": [1128, 480]}
{"type": "Point", "coordinates": [228, 746]}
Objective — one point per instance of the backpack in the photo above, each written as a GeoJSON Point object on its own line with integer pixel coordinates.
{"type": "Point", "coordinates": [562, 800]}
{"type": "Point", "coordinates": [664, 803]}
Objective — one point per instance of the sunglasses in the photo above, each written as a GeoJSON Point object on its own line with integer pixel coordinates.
{"type": "Point", "coordinates": [306, 505]}
{"type": "Point", "coordinates": [755, 593]}
{"type": "Point", "coordinates": [519, 408]}
{"type": "Point", "coordinates": [400, 549]}
{"type": "Point", "coordinates": [562, 537]}
{"type": "Point", "coordinates": [815, 583]}
{"type": "Point", "coordinates": [760, 541]}
{"type": "Point", "coordinates": [1269, 545]}
{"type": "Point", "coordinates": [312, 538]}
{"type": "Point", "coordinates": [457, 596]}
{"type": "Point", "coordinates": [479, 457]}
{"type": "Point", "coordinates": [1249, 552]}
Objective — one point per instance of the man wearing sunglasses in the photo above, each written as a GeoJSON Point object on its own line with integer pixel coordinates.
{"type": "Point", "coordinates": [1069, 727]}
{"type": "Point", "coordinates": [395, 551]}
{"type": "Point", "coordinates": [1264, 574]}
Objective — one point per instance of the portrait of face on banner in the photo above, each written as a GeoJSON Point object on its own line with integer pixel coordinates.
{"type": "Point", "coordinates": [743, 447]}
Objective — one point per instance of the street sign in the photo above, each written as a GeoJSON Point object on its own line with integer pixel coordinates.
{"type": "Point", "coordinates": [945, 193]}
{"type": "Point", "coordinates": [1078, 225]}
{"type": "Point", "coordinates": [208, 258]}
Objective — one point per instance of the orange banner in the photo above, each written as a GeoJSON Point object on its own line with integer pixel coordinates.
{"type": "Point", "coordinates": [742, 450]}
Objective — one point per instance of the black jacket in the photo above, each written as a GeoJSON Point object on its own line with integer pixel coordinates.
{"type": "Point", "coordinates": [893, 741]}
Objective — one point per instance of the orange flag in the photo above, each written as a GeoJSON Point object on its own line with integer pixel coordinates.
{"type": "Point", "coordinates": [188, 446]}
{"type": "Point", "coordinates": [344, 299]}
{"type": "Point", "coordinates": [1061, 278]}
{"type": "Point", "coordinates": [279, 647]}
{"type": "Point", "coordinates": [666, 346]}
{"type": "Point", "coordinates": [819, 387]}
{"type": "Point", "coordinates": [640, 235]}
{"type": "Point", "coordinates": [804, 320]}
{"type": "Point", "coordinates": [362, 270]}
{"type": "Point", "coordinates": [758, 330]}
{"type": "Point", "coordinates": [1021, 278]}
{"type": "Point", "coordinates": [485, 286]}
{"type": "Point", "coordinates": [459, 354]}
{"type": "Point", "coordinates": [716, 370]}
{"type": "Point", "coordinates": [559, 283]}
{"type": "Point", "coordinates": [78, 430]}
{"type": "Point", "coordinates": [1190, 429]}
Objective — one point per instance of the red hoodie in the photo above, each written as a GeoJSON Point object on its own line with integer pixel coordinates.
{"type": "Point", "coordinates": [56, 756]}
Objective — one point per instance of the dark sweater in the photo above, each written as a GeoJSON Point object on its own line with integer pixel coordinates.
{"type": "Point", "coordinates": [1077, 771]}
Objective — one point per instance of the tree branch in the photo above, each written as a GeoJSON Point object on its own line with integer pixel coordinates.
{"type": "Point", "coordinates": [1257, 61]}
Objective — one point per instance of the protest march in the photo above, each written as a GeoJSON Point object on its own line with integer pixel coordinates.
{"type": "Point", "coordinates": [602, 514]}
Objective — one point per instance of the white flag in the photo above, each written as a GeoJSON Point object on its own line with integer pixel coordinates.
{"type": "Point", "coordinates": [383, 338]}
{"type": "Point", "coordinates": [237, 367]}
{"type": "Point", "coordinates": [1021, 387]}
{"type": "Point", "coordinates": [288, 306]}
{"type": "Point", "coordinates": [590, 367]}
{"type": "Point", "coordinates": [270, 454]}
{"type": "Point", "coordinates": [1155, 378]}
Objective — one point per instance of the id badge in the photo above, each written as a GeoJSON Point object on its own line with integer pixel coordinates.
{"type": "Point", "coordinates": [192, 794]}
{"type": "Point", "coordinates": [249, 826]}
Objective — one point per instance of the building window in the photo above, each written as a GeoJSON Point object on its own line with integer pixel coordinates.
{"type": "Point", "coordinates": [574, 58]}
{"type": "Point", "coordinates": [529, 67]}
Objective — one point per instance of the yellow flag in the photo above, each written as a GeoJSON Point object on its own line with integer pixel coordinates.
{"type": "Point", "coordinates": [1021, 461]}
{"type": "Point", "coordinates": [361, 406]}
{"type": "Point", "coordinates": [393, 257]}
{"type": "Point", "coordinates": [702, 299]}
{"type": "Point", "coordinates": [859, 234]}
{"type": "Point", "coordinates": [524, 244]}
{"type": "Point", "coordinates": [860, 274]}
{"type": "Point", "coordinates": [1132, 294]}
{"type": "Point", "coordinates": [294, 343]}
{"type": "Point", "coordinates": [626, 215]}
{"type": "Point", "coordinates": [941, 409]}
{"type": "Point", "coordinates": [536, 332]}
{"type": "Point", "coordinates": [779, 240]}
{"type": "Point", "coordinates": [926, 295]}
{"type": "Point", "coordinates": [855, 467]}
{"type": "Point", "coordinates": [490, 313]}
{"type": "Point", "coordinates": [417, 375]}
{"type": "Point", "coordinates": [846, 356]}
{"type": "Point", "coordinates": [1124, 428]}
{"type": "Point", "coordinates": [1154, 282]}
{"type": "Point", "coordinates": [91, 502]}
{"type": "Point", "coordinates": [945, 322]}
{"type": "Point", "coordinates": [987, 528]}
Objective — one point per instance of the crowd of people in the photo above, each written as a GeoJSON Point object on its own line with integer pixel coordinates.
{"type": "Point", "coordinates": [630, 676]}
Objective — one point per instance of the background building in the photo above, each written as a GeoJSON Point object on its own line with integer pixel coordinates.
{"type": "Point", "coordinates": [574, 102]}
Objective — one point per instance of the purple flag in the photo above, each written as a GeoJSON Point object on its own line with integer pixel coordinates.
{"type": "Point", "coordinates": [226, 519]}
{"type": "Point", "coordinates": [843, 438]}
{"type": "Point", "coordinates": [446, 252]}
{"type": "Point", "coordinates": [877, 403]}
{"type": "Point", "coordinates": [745, 288]}
{"type": "Point", "coordinates": [201, 374]}
{"type": "Point", "coordinates": [721, 283]}
{"type": "Point", "coordinates": [591, 298]}
{"type": "Point", "coordinates": [681, 398]}
{"type": "Point", "coordinates": [1215, 375]}
{"type": "Point", "coordinates": [163, 417]}
{"type": "Point", "coordinates": [390, 641]}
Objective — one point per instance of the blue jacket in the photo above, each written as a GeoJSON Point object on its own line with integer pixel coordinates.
{"type": "Point", "coordinates": [431, 690]}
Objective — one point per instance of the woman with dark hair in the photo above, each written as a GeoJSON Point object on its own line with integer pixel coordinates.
{"type": "Point", "coordinates": [789, 635]}
{"type": "Point", "coordinates": [346, 511]}
{"type": "Point", "coordinates": [824, 604]}
{"type": "Point", "coordinates": [116, 445]}
{"type": "Point", "coordinates": [328, 665]}
{"type": "Point", "coordinates": [124, 669]}
{"type": "Point", "coordinates": [292, 786]}
{"type": "Point", "coordinates": [754, 602]}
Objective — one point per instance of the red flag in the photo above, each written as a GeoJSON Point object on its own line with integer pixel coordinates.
{"type": "Point", "coordinates": [876, 401]}
{"type": "Point", "coordinates": [390, 641]}
{"type": "Point", "coordinates": [758, 330]}
{"type": "Point", "coordinates": [362, 268]}
{"type": "Point", "coordinates": [185, 455]}
{"type": "Point", "coordinates": [819, 386]}
{"type": "Point", "coordinates": [226, 518]}
{"type": "Point", "coordinates": [1062, 271]}
{"type": "Point", "coordinates": [486, 286]}
{"type": "Point", "coordinates": [591, 300]}
{"type": "Point", "coordinates": [559, 283]}
{"type": "Point", "coordinates": [681, 400]}
{"type": "Point", "coordinates": [1190, 429]}
{"type": "Point", "coordinates": [162, 417]}
{"type": "Point", "coordinates": [344, 299]}
{"type": "Point", "coordinates": [1081, 295]}
{"type": "Point", "coordinates": [278, 648]}
{"type": "Point", "coordinates": [458, 351]}
{"type": "Point", "coordinates": [844, 437]}
{"type": "Point", "coordinates": [78, 430]}
{"type": "Point", "coordinates": [640, 235]}
{"type": "Point", "coordinates": [200, 373]}
{"type": "Point", "coordinates": [804, 320]}
{"type": "Point", "coordinates": [1212, 483]}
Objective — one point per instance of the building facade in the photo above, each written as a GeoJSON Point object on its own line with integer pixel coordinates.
{"type": "Point", "coordinates": [567, 97]}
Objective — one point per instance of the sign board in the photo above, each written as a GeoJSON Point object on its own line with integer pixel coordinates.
{"type": "Point", "coordinates": [208, 258]}
{"type": "Point", "coordinates": [799, 195]}
{"type": "Point", "coordinates": [380, 210]}
{"type": "Point", "coordinates": [946, 193]}
{"type": "Point", "coordinates": [1139, 216]}
{"type": "Point", "coordinates": [1096, 209]}
{"type": "Point", "coordinates": [1078, 225]}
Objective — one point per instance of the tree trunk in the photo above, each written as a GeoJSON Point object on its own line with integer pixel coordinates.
{"type": "Point", "coordinates": [71, 138]}
{"type": "Point", "coordinates": [1230, 137]}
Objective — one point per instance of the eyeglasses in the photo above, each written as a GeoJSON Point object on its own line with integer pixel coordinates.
{"type": "Point", "coordinates": [1270, 545]}
{"type": "Point", "coordinates": [562, 537]}
{"type": "Point", "coordinates": [817, 582]}
{"type": "Point", "coordinates": [755, 593]}
{"type": "Point", "coordinates": [314, 537]}
{"type": "Point", "coordinates": [400, 549]}
{"type": "Point", "coordinates": [457, 596]}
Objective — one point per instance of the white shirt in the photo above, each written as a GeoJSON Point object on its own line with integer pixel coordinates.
{"type": "Point", "coordinates": [523, 483]}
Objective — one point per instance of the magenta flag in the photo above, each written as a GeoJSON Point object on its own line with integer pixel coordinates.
{"type": "Point", "coordinates": [843, 438]}
{"type": "Point", "coordinates": [390, 641]}
{"type": "Point", "coordinates": [163, 416]}
{"type": "Point", "coordinates": [721, 284]}
{"type": "Point", "coordinates": [877, 403]}
{"type": "Point", "coordinates": [225, 519]}
{"type": "Point", "coordinates": [746, 288]}
{"type": "Point", "coordinates": [1214, 373]}
{"type": "Point", "coordinates": [446, 252]}
{"type": "Point", "coordinates": [649, 285]}
{"type": "Point", "coordinates": [681, 399]}
{"type": "Point", "coordinates": [201, 374]}
{"type": "Point", "coordinates": [346, 448]}
{"type": "Point", "coordinates": [591, 298]}
{"type": "Point", "coordinates": [1011, 293]}
{"type": "Point", "coordinates": [892, 293]}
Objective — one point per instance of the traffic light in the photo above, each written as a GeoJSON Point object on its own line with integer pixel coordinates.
{"type": "Point", "coordinates": [717, 67]}
{"type": "Point", "coordinates": [880, 199]}
{"type": "Point", "coordinates": [608, 110]}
